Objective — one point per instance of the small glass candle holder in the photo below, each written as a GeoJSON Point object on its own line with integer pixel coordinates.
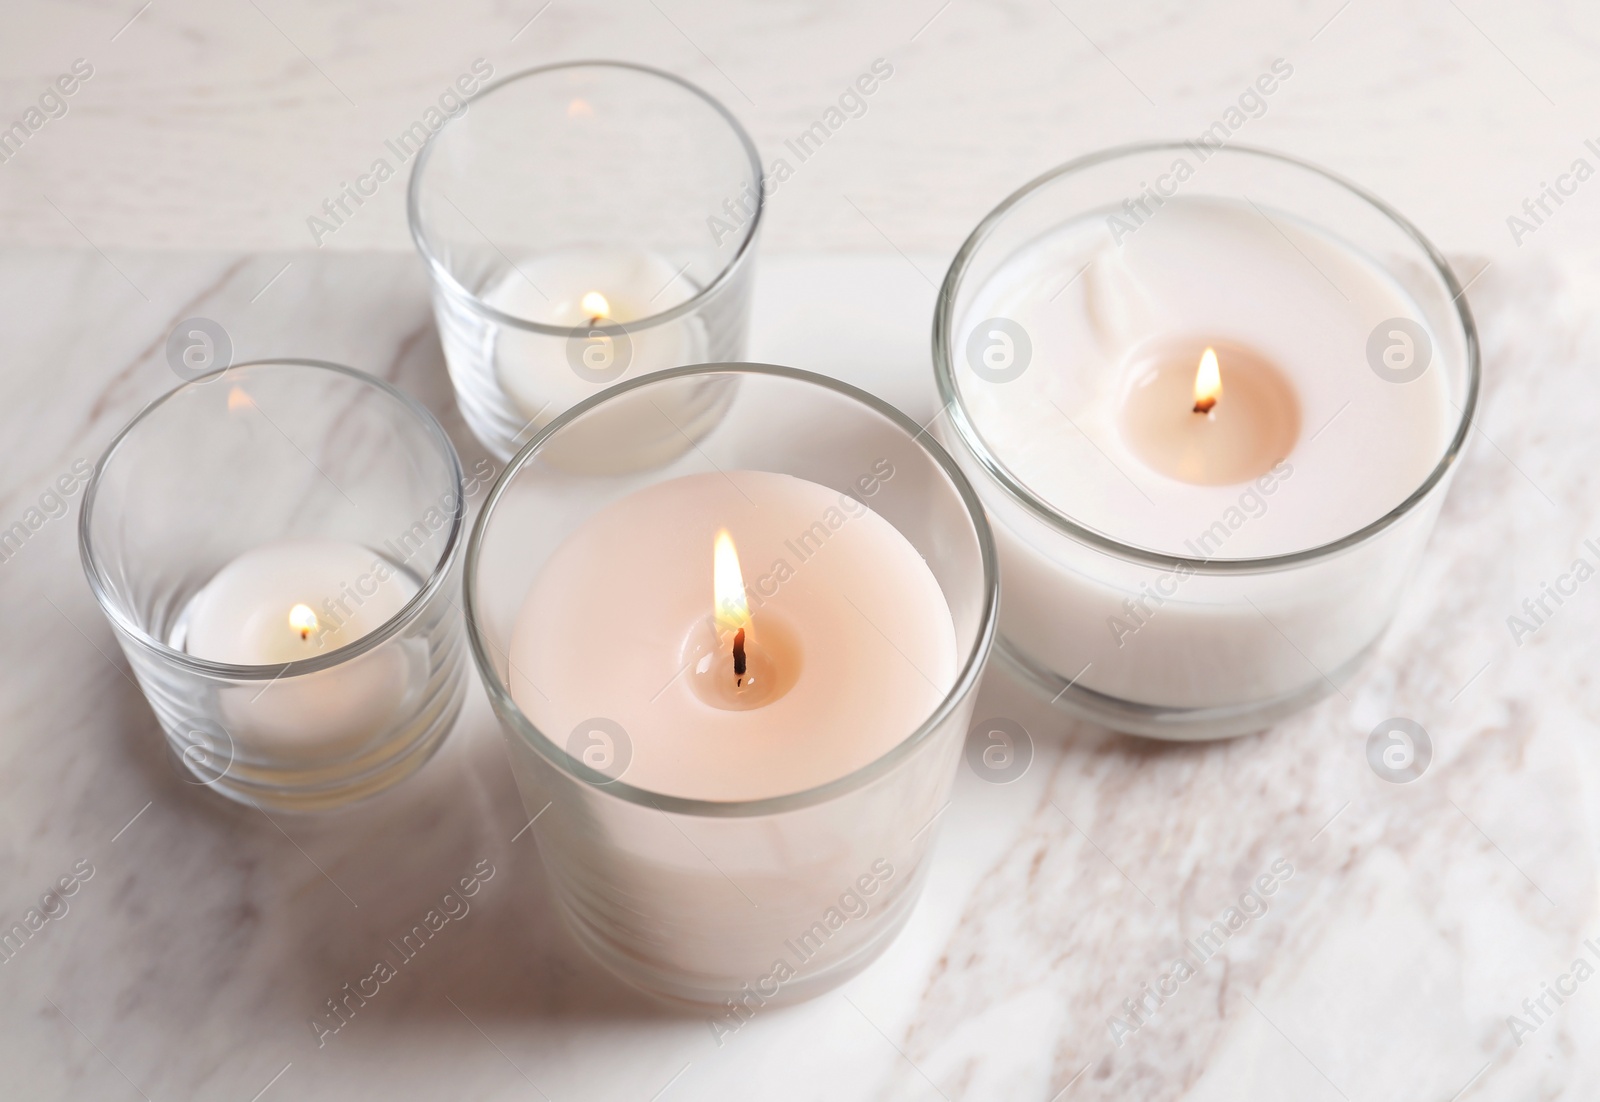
{"type": "Point", "coordinates": [729, 835]}
{"type": "Point", "coordinates": [582, 224]}
{"type": "Point", "coordinates": [275, 547]}
{"type": "Point", "coordinates": [1211, 399]}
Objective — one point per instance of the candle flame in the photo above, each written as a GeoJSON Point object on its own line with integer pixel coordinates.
{"type": "Point", "coordinates": [303, 620]}
{"type": "Point", "coordinates": [727, 584]}
{"type": "Point", "coordinates": [594, 305]}
{"type": "Point", "coordinates": [1207, 382]}
{"type": "Point", "coordinates": [238, 399]}
{"type": "Point", "coordinates": [579, 108]}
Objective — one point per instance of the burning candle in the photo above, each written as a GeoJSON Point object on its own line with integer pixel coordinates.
{"type": "Point", "coordinates": [567, 181]}
{"type": "Point", "coordinates": [1175, 419]}
{"type": "Point", "coordinates": [734, 687]}
{"type": "Point", "coordinates": [273, 550]}
{"type": "Point", "coordinates": [1103, 423]}
{"type": "Point", "coordinates": [601, 292]}
{"type": "Point", "coordinates": [292, 600]}
{"type": "Point", "coordinates": [831, 655]}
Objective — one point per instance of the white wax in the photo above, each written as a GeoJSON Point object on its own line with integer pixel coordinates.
{"type": "Point", "coordinates": [534, 370]}
{"type": "Point", "coordinates": [1218, 270]}
{"type": "Point", "coordinates": [602, 633]}
{"type": "Point", "coordinates": [1215, 270]}
{"type": "Point", "coordinates": [242, 617]}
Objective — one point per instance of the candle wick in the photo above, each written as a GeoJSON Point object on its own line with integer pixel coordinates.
{"type": "Point", "coordinates": [1204, 405]}
{"type": "Point", "coordinates": [738, 657]}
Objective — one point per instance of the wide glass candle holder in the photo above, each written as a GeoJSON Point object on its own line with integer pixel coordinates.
{"type": "Point", "coordinates": [582, 224]}
{"type": "Point", "coordinates": [735, 685]}
{"type": "Point", "coordinates": [1211, 399]}
{"type": "Point", "coordinates": [275, 547]}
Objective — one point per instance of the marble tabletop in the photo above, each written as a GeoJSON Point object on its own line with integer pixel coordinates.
{"type": "Point", "coordinates": [1426, 937]}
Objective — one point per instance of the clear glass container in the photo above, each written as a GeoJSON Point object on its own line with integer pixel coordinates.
{"type": "Point", "coordinates": [300, 512]}
{"type": "Point", "coordinates": [582, 224]}
{"type": "Point", "coordinates": [1209, 643]}
{"type": "Point", "coordinates": [732, 904]}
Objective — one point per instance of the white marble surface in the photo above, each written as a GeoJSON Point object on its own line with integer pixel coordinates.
{"type": "Point", "coordinates": [1418, 917]}
{"type": "Point", "coordinates": [226, 125]}
{"type": "Point", "coordinates": [189, 964]}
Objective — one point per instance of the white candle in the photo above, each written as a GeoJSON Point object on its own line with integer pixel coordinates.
{"type": "Point", "coordinates": [583, 287]}
{"type": "Point", "coordinates": [849, 638]}
{"type": "Point", "coordinates": [292, 600]}
{"type": "Point", "coordinates": [1204, 272]}
{"type": "Point", "coordinates": [1304, 445]}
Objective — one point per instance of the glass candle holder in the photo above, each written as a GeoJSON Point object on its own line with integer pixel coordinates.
{"type": "Point", "coordinates": [693, 852]}
{"type": "Point", "coordinates": [1211, 399]}
{"type": "Point", "coordinates": [275, 547]}
{"type": "Point", "coordinates": [582, 224]}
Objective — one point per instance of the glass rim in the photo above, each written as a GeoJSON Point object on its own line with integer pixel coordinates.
{"type": "Point", "coordinates": [233, 671]}
{"type": "Point", "coordinates": [966, 680]}
{"type": "Point", "coordinates": [972, 440]}
{"type": "Point", "coordinates": [442, 274]}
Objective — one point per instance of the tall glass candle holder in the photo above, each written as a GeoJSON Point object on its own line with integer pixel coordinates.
{"type": "Point", "coordinates": [275, 547]}
{"type": "Point", "coordinates": [1211, 399]}
{"type": "Point", "coordinates": [583, 224]}
{"type": "Point", "coordinates": [734, 836]}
